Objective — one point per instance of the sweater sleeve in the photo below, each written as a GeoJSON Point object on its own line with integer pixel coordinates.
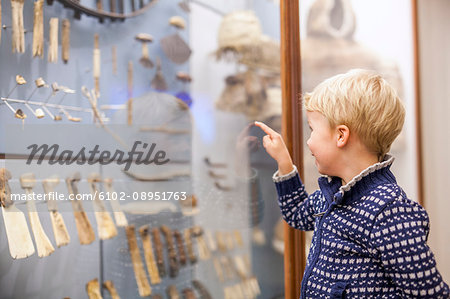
{"type": "Point", "coordinates": [296, 206]}
{"type": "Point", "coordinates": [399, 239]}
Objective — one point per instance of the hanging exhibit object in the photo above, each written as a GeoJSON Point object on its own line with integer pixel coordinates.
{"type": "Point", "coordinates": [175, 48]}
{"type": "Point", "coordinates": [109, 285]}
{"type": "Point", "coordinates": [105, 226]}
{"type": "Point", "coordinates": [148, 255]}
{"type": "Point", "coordinates": [18, 33]}
{"type": "Point", "coordinates": [180, 247]}
{"type": "Point", "coordinates": [159, 252]}
{"type": "Point", "coordinates": [144, 39]}
{"type": "Point", "coordinates": [85, 231]}
{"type": "Point", "coordinates": [65, 42]}
{"type": "Point", "coordinates": [172, 292]}
{"type": "Point", "coordinates": [171, 251]}
{"type": "Point", "coordinates": [96, 65]}
{"type": "Point", "coordinates": [60, 232]}
{"type": "Point", "coordinates": [19, 238]}
{"type": "Point", "coordinates": [53, 40]}
{"type": "Point", "coordinates": [158, 81]}
{"type": "Point", "coordinates": [93, 289]}
{"type": "Point", "coordinates": [43, 245]}
{"type": "Point", "coordinates": [138, 267]}
{"type": "Point", "coordinates": [38, 29]}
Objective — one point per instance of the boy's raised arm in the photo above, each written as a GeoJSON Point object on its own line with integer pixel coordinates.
{"type": "Point", "coordinates": [275, 147]}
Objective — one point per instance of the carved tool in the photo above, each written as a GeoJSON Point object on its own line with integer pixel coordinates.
{"type": "Point", "coordinates": [60, 232]}
{"type": "Point", "coordinates": [18, 34]}
{"type": "Point", "coordinates": [218, 268]}
{"type": "Point", "coordinates": [210, 240]}
{"type": "Point", "coordinates": [255, 285]}
{"type": "Point", "coordinates": [138, 267]}
{"type": "Point", "coordinates": [221, 241]}
{"type": "Point", "coordinates": [227, 267]}
{"type": "Point", "coordinates": [144, 39]}
{"type": "Point", "coordinates": [43, 245]}
{"type": "Point", "coordinates": [238, 237]}
{"type": "Point", "coordinates": [172, 292]}
{"type": "Point", "coordinates": [203, 251]}
{"type": "Point", "coordinates": [119, 215]}
{"type": "Point", "coordinates": [38, 29]}
{"type": "Point", "coordinates": [148, 255]}
{"type": "Point", "coordinates": [96, 64]}
{"type": "Point", "coordinates": [214, 175]}
{"type": "Point", "coordinates": [109, 285]}
{"type": "Point", "coordinates": [19, 238]}
{"type": "Point", "coordinates": [112, 6]}
{"type": "Point", "coordinates": [214, 164]}
{"type": "Point", "coordinates": [105, 226]}
{"type": "Point", "coordinates": [229, 240]}
{"type": "Point", "coordinates": [93, 289]}
{"type": "Point", "coordinates": [190, 248]}
{"type": "Point", "coordinates": [53, 40]}
{"type": "Point", "coordinates": [159, 252]}
{"type": "Point", "coordinates": [204, 293]}
{"type": "Point", "coordinates": [121, 6]}
{"type": "Point", "coordinates": [188, 293]}
{"type": "Point", "coordinates": [222, 187]}
{"type": "Point", "coordinates": [86, 233]}
{"type": "Point", "coordinates": [130, 93]}
{"type": "Point", "coordinates": [159, 82]}
{"type": "Point", "coordinates": [241, 268]}
{"type": "Point", "coordinates": [172, 253]}
{"type": "Point", "coordinates": [158, 178]}
{"type": "Point", "coordinates": [65, 42]}
{"type": "Point", "coordinates": [180, 246]}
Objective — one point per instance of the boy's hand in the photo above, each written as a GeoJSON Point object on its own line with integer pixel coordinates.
{"type": "Point", "coordinates": [275, 147]}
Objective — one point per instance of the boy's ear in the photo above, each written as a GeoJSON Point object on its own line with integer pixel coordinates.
{"type": "Point", "coordinates": [343, 135]}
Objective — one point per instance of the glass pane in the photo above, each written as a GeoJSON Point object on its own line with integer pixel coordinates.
{"type": "Point", "coordinates": [236, 71]}
{"type": "Point", "coordinates": [171, 81]}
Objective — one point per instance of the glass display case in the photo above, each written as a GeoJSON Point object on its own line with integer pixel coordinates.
{"type": "Point", "coordinates": [129, 167]}
{"type": "Point", "coordinates": [132, 137]}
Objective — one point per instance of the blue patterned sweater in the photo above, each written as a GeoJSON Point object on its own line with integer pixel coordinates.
{"type": "Point", "coordinates": [369, 239]}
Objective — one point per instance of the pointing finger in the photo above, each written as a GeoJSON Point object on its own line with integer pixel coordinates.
{"type": "Point", "coordinates": [266, 129]}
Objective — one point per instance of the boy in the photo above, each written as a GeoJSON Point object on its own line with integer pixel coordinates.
{"type": "Point", "coordinates": [369, 239]}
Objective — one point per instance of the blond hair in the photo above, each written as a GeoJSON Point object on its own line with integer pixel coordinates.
{"type": "Point", "coordinates": [364, 102]}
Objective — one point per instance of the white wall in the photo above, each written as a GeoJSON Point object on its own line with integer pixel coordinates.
{"type": "Point", "coordinates": [434, 23]}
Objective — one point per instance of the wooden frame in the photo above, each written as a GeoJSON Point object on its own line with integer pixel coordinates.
{"type": "Point", "coordinates": [294, 252]}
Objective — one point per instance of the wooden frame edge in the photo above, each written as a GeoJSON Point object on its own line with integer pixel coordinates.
{"type": "Point", "coordinates": [292, 131]}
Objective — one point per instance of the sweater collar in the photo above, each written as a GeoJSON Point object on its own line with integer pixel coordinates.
{"type": "Point", "coordinates": [376, 174]}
